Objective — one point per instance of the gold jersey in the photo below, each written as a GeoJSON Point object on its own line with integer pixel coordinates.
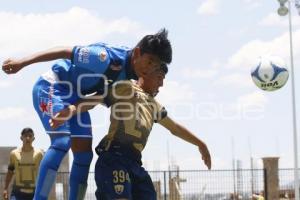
{"type": "Point", "coordinates": [133, 113]}
{"type": "Point", "coordinates": [25, 166]}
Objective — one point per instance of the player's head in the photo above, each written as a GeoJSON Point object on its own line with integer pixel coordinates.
{"type": "Point", "coordinates": [27, 136]}
{"type": "Point", "coordinates": [155, 79]}
{"type": "Point", "coordinates": [151, 51]}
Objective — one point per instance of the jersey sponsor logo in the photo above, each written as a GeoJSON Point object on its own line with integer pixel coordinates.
{"type": "Point", "coordinates": [83, 55]}
{"type": "Point", "coordinates": [119, 188]}
{"type": "Point", "coordinates": [116, 67]}
{"type": "Point", "coordinates": [45, 106]}
{"type": "Point", "coordinates": [103, 55]}
{"type": "Point", "coordinates": [46, 103]}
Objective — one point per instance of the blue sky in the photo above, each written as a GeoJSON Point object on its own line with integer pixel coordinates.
{"type": "Point", "coordinates": [208, 89]}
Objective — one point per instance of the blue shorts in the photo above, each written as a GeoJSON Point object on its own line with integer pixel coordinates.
{"type": "Point", "coordinates": [118, 177]}
{"type": "Point", "coordinates": [50, 98]}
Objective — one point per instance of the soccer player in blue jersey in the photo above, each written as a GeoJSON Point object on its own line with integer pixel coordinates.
{"type": "Point", "coordinates": [119, 173]}
{"type": "Point", "coordinates": [83, 70]}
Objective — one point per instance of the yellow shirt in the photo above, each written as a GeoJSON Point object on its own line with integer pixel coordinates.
{"type": "Point", "coordinates": [133, 113]}
{"type": "Point", "coordinates": [25, 166]}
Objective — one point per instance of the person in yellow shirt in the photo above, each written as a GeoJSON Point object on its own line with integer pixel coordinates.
{"type": "Point", "coordinates": [259, 196]}
{"type": "Point", "coordinates": [24, 164]}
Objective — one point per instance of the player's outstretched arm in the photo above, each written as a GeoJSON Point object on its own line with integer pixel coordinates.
{"type": "Point", "coordinates": [79, 107]}
{"type": "Point", "coordinates": [183, 133]}
{"type": "Point", "coordinates": [12, 66]}
{"type": "Point", "coordinates": [8, 179]}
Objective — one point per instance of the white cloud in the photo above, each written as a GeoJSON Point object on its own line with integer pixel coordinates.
{"type": "Point", "coordinates": [198, 73]}
{"type": "Point", "coordinates": [12, 113]}
{"type": "Point", "coordinates": [237, 80]}
{"type": "Point", "coordinates": [255, 98]}
{"type": "Point", "coordinates": [246, 107]}
{"type": "Point", "coordinates": [246, 57]}
{"type": "Point", "coordinates": [237, 32]}
{"type": "Point", "coordinates": [174, 92]}
{"type": "Point", "coordinates": [274, 20]}
{"type": "Point", "coordinates": [209, 7]}
{"type": "Point", "coordinates": [5, 84]}
{"type": "Point", "coordinates": [252, 4]}
{"type": "Point", "coordinates": [28, 32]}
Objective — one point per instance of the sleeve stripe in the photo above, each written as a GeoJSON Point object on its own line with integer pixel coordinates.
{"type": "Point", "coordinates": [162, 114]}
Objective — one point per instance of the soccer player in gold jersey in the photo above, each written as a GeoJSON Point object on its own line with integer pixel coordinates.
{"type": "Point", "coordinates": [119, 173]}
{"type": "Point", "coordinates": [24, 164]}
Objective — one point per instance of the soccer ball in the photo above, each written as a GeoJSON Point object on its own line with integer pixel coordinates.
{"type": "Point", "coordinates": [270, 74]}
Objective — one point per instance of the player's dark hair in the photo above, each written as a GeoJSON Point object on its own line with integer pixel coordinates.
{"type": "Point", "coordinates": [164, 68]}
{"type": "Point", "coordinates": [157, 44]}
{"type": "Point", "coordinates": [27, 130]}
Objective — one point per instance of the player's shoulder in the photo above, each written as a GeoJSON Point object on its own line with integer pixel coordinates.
{"type": "Point", "coordinates": [39, 151]}
{"type": "Point", "coordinates": [114, 47]}
{"type": "Point", "coordinates": [101, 52]}
{"type": "Point", "coordinates": [117, 54]}
{"type": "Point", "coordinates": [113, 50]}
{"type": "Point", "coordinates": [16, 150]}
{"type": "Point", "coordinates": [155, 102]}
{"type": "Point", "coordinates": [123, 87]}
{"type": "Point", "coordinates": [123, 84]}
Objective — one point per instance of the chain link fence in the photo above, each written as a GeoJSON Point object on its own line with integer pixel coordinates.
{"type": "Point", "coordinates": [194, 184]}
{"type": "Point", "coordinates": [286, 184]}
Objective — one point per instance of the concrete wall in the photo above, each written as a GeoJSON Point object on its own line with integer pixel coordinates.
{"type": "Point", "coordinates": [4, 158]}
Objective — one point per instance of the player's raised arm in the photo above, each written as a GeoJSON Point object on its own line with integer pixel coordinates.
{"type": "Point", "coordinates": [12, 66]}
{"type": "Point", "coordinates": [183, 133]}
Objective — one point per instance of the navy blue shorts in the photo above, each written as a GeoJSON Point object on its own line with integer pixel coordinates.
{"type": "Point", "coordinates": [119, 177]}
{"type": "Point", "coordinates": [16, 195]}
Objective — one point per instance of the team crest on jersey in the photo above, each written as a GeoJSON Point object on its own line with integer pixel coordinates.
{"type": "Point", "coordinates": [137, 95]}
{"type": "Point", "coordinates": [119, 188]}
{"type": "Point", "coordinates": [140, 95]}
{"type": "Point", "coordinates": [83, 55]}
{"type": "Point", "coordinates": [103, 55]}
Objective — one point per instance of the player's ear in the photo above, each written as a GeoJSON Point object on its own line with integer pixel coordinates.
{"type": "Point", "coordinates": [136, 52]}
{"type": "Point", "coordinates": [33, 138]}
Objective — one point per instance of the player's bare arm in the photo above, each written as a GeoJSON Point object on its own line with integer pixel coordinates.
{"type": "Point", "coordinates": [183, 133]}
{"type": "Point", "coordinates": [12, 66]}
{"type": "Point", "coordinates": [8, 179]}
{"type": "Point", "coordinates": [81, 106]}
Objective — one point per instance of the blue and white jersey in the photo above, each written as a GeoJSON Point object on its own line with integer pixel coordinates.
{"type": "Point", "coordinates": [90, 63]}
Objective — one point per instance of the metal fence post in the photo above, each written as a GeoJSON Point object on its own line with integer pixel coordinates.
{"type": "Point", "coordinates": [265, 184]}
{"type": "Point", "coordinates": [165, 186]}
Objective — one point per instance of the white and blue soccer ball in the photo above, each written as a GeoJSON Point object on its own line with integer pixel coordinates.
{"type": "Point", "coordinates": [270, 73]}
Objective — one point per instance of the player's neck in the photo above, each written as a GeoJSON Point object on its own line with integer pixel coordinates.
{"type": "Point", "coordinates": [27, 148]}
{"type": "Point", "coordinates": [140, 83]}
